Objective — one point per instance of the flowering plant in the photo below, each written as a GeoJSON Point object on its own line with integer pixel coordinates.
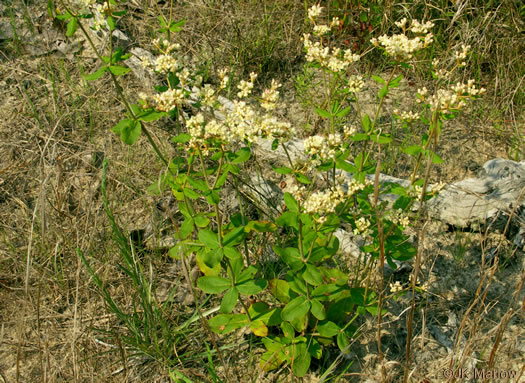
{"type": "Point", "coordinates": [313, 303]}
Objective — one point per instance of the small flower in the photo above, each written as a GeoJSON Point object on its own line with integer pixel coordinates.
{"type": "Point", "coordinates": [362, 227]}
{"type": "Point", "coordinates": [321, 30]}
{"type": "Point", "coordinates": [314, 11]}
{"type": "Point", "coordinates": [166, 64]}
{"type": "Point", "coordinates": [335, 22]}
{"type": "Point", "coordinates": [355, 83]}
{"type": "Point", "coordinates": [396, 287]}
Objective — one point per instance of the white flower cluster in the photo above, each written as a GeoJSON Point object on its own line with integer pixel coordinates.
{"type": "Point", "coordinates": [333, 61]}
{"type": "Point", "coordinates": [406, 116]}
{"type": "Point", "coordinates": [324, 148]}
{"type": "Point", "coordinates": [168, 100]}
{"type": "Point", "coordinates": [461, 55]}
{"type": "Point", "coordinates": [208, 95]}
{"type": "Point", "coordinates": [270, 96]}
{"type": "Point", "coordinates": [243, 123]}
{"type": "Point", "coordinates": [415, 191]}
{"type": "Point", "coordinates": [314, 12]}
{"type": "Point", "coordinates": [355, 83]}
{"type": "Point", "coordinates": [396, 287]}
{"type": "Point", "coordinates": [398, 217]}
{"type": "Point", "coordinates": [349, 130]}
{"type": "Point", "coordinates": [224, 78]}
{"type": "Point", "coordinates": [355, 186]}
{"type": "Point", "coordinates": [321, 30]}
{"type": "Point", "coordinates": [246, 87]}
{"type": "Point", "coordinates": [324, 202]}
{"type": "Point", "coordinates": [402, 48]}
{"type": "Point", "coordinates": [166, 64]}
{"type": "Point", "coordinates": [362, 227]}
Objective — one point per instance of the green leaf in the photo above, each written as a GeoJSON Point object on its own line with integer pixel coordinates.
{"type": "Point", "coordinates": [129, 130]}
{"type": "Point", "coordinates": [271, 360]}
{"type": "Point", "coordinates": [290, 256]}
{"type": "Point", "coordinates": [296, 308]}
{"type": "Point", "coordinates": [226, 323]}
{"type": "Point", "coordinates": [383, 91]}
{"type": "Point", "coordinates": [360, 137]}
{"type": "Point", "coordinates": [213, 198]}
{"type": "Point", "coordinates": [152, 116]}
{"type": "Point", "coordinates": [251, 287]}
{"type": "Point", "coordinates": [234, 237]}
{"type": "Point", "coordinates": [261, 311]}
{"type": "Point", "coordinates": [344, 112]}
{"type": "Point", "coordinates": [111, 23]}
{"type": "Point", "coordinates": [72, 27]}
{"type": "Point", "coordinates": [328, 329]}
{"type": "Point", "coordinates": [378, 79]}
{"type": "Point", "coordinates": [208, 271]}
{"type": "Point", "coordinates": [209, 238]}
{"type": "Point", "coordinates": [213, 285]}
{"type": "Point", "coordinates": [177, 26]}
{"type": "Point", "coordinates": [97, 74]}
{"type": "Point", "coordinates": [288, 330]}
{"type": "Point", "coordinates": [381, 139]}
{"type": "Point", "coordinates": [259, 328]}
{"type": "Point", "coordinates": [318, 309]}
{"type": "Point", "coordinates": [291, 203]}
{"type": "Point", "coordinates": [283, 170]}
{"type": "Point", "coordinates": [190, 193]}
{"type": "Point", "coordinates": [198, 184]}
{"type": "Point", "coordinates": [229, 300]}
{"type": "Point", "coordinates": [186, 228]}
{"type": "Point", "coordinates": [242, 155]}
{"type": "Point", "coordinates": [303, 179]}
{"type": "Point", "coordinates": [312, 275]}
{"type": "Point", "coordinates": [280, 290]}
{"type": "Point", "coordinates": [118, 70]}
{"type": "Point", "coordinates": [395, 82]}
{"type": "Point", "coordinates": [366, 123]}
{"type": "Point", "coordinates": [181, 138]}
{"type": "Point", "coordinates": [323, 113]}
{"type": "Point", "coordinates": [231, 252]}
{"type": "Point", "coordinates": [301, 361]}
{"type": "Point", "coordinates": [260, 226]}
{"type": "Point", "coordinates": [412, 150]}
{"type": "Point", "coordinates": [162, 22]}
{"type": "Point", "coordinates": [213, 258]}
{"type": "Point", "coordinates": [201, 221]}
{"type": "Point", "coordinates": [342, 341]}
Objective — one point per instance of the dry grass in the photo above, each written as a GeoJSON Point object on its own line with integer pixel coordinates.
{"type": "Point", "coordinates": [54, 135]}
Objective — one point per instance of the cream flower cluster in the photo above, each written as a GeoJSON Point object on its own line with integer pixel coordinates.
{"type": "Point", "coordinates": [398, 217]}
{"type": "Point", "coordinates": [355, 186]}
{"type": "Point", "coordinates": [396, 287]}
{"type": "Point", "coordinates": [243, 123]}
{"type": "Point", "coordinates": [335, 61]}
{"type": "Point", "coordinates": [168, 100]}
{"type": "Point", "coordinates": [400, 46]}
{"type": "Point", "coordinates": [324, 148]}
{"type": "Point", "coordinates": [355, 83]}
{"type": "Point", "coordinates": [324, 202]}
{"type": "Point", "coordinates": [362, 227]}
{"type": "Point", "coordinates": [245, 87]}
{"type": "Point", "coordinates": [349, 130]}
{"type": "Point", "coordinates": [406, 116]}
{"type": "Point", "coordinates": [314, 12]}
{"type": "Point", "coordinates": [270, 96]}
{"type": "Point", "coordinates": [224, 78]}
